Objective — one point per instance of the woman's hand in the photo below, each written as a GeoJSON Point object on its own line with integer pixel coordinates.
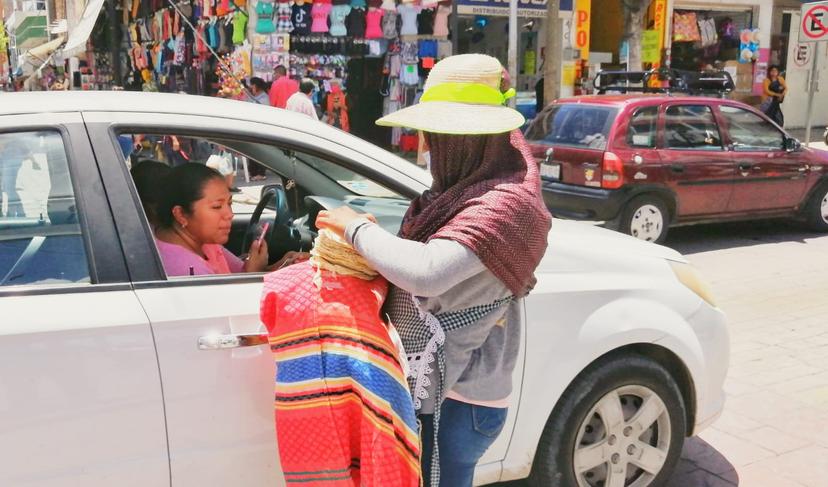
{"type": "Point", "coordinates": [257, 258]}
{"type": "Point", "coordinates": [338, 220]}
{"type": "Point", "coordinates": [289, 258]}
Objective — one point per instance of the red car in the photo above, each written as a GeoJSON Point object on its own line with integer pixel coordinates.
{"type": "Point", "coordinates": [643, 163]}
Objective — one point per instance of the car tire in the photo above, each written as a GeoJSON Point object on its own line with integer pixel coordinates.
{"type": "Point", "coordinates": [576, 422]}
{"type": "Point", "coordinates": [647, 218]}
{"type": "Point", "coordinates": [816, 210]}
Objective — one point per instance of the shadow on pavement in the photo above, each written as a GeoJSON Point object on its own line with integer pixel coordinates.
{"type": "Point", "coordinates": [700, 465]}
{"type": "Point", "coordinates": [720, 236]}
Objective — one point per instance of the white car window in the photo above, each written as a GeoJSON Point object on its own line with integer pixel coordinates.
{"type": "Point", "coordinates": [40, 236]}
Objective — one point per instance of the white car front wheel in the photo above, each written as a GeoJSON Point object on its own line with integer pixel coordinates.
{"type": "Point", "coordinates": [620, 424]}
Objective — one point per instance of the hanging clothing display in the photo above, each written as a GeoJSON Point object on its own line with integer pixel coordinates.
{"type": "Point", "coordinates": [284, 24]}
{"type": "Point", "coordinates": [338, 15]}
{"type": "Point", "coordinates": [301, 18]}
{"type": "Point", "coordinates": [320, 12]}
{"type": "Point", "coordinates": [425, 21]}
{"type": "Point", "coordinates": [372, 20]}
{"type": "Point", "coordinates": [441, 20]}
{"type": "Point", "coordinates": [355, 23]}
{"type": "Point", "coordinates": [264, 12]}
{"type": "Point", "coordinates": [408, 12]}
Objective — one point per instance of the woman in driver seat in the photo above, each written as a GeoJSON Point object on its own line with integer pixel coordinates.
{"type": "Point", "coordinates": [194, 222]}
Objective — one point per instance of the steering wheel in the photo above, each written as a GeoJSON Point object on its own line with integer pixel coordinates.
{"type": "Point", "coordinates": [281, 237]}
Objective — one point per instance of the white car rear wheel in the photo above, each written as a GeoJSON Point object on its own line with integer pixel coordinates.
{"type": "Point", "coordinates": [627, 431]}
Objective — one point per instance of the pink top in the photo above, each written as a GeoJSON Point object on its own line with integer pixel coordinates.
{"type": "Point", "coordinates": [373, 30]}
{"type": "Point", "coordinates": [320, 12]}
{"type": "Point", "coordinates": [179, 261]}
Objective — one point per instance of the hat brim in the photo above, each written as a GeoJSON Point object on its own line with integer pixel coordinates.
{"type": "Point", "coordinates": [455, 118]}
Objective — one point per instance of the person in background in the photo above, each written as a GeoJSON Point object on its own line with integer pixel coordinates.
{"type": "Point", "coordinates": [258, 88]}
{"type": "Point", "coordinates": [337, 109]}
{"type": "Point", "coordinates": [148, 177]}
{"type": "Point", "coordinates": [456, 296]}
{"type": "Point", "coordinates": [282, 88]}
{"type": "Point", "coordinates": [301, 101]}
{"type": "Point", "coordinates": [774, 93]}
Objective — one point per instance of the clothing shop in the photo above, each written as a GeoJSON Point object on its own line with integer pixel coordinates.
{"type": "Point", "coordinates": [733, 37]}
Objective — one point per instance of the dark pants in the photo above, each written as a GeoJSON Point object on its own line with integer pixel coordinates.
{"type": "Point", "coordinates": [466, 432]}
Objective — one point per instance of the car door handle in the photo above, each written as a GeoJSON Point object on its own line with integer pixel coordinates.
{"type": "Point", "coordinates": [804, 168]}
{"type": "Point", "coordinates": [745, 166]}
{"type": "Point", "coordinates": [677, 168]}
{"type": "Point", "coordinates": [222, 342]}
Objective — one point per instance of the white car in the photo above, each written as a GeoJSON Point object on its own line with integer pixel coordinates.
{"type": "Point", "coordinates": [113, 374]}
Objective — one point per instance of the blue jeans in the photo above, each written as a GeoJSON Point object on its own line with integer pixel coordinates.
{"type": "Point", "coordinates": [466, 432]}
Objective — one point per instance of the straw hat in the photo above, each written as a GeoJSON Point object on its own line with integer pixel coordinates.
{"type": "Point", "coordinates": [462, 97]}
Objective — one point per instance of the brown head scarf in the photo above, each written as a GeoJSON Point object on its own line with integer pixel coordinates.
{"type": "Point", "coordinates": [486, 195]}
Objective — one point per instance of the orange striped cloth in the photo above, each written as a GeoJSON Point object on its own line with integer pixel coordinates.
{"type": "Point", "coordinates": [344, 414]}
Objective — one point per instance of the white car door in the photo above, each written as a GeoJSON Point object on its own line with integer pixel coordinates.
{"type": "Point", "coordinates": [80, 394]}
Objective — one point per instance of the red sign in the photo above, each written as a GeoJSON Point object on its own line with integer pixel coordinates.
{"type": "Point", "coordinates": [814, 23]}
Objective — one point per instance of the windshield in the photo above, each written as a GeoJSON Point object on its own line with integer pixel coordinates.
{"type": "Point", "coordinates": [573, 124]}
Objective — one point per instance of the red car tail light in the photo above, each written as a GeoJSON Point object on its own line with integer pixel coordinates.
{"type": "Point", "coordinates": [612, 172]}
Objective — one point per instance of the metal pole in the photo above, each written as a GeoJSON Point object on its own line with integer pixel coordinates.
{"type": "Point", "coordinates": [554, 52]}
{"type": "Point", "coordinates": [513, 47]}
{"type": "Point", "coordinates": [813, 86]}
{"type": "Point", "coordinates": [115, 43]}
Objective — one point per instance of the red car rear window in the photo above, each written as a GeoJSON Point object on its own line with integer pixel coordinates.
{"type": "Point", "coordinates": [575, 125]}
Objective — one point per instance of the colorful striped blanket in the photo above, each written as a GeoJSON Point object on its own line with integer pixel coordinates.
{"type": "Point", "coordinates": [344, 414]}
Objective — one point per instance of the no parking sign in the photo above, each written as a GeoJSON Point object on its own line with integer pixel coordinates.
{"type": "Point", "coordinates": [814, 24]}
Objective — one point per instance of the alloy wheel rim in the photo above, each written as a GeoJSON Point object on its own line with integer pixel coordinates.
{"type": "Point", "coordinates": [647, 223]}
{"type": "Point", "coordinates": [624, 440]}
{"type": "Point", "coordinates": [824, 208]}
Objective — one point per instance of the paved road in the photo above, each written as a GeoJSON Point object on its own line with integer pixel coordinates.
{"type": "Point", "coordinates": [772, 280]}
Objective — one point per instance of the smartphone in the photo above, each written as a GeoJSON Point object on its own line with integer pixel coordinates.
{"type": "Point", "coordinates": [265, 227]}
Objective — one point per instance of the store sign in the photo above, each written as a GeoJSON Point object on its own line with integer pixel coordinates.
{"type": "Point", "coordinates": [650, 50]}
{"type": "Point", "coordinates": [500, 8]}
{"type": "Point", "coordinates": [659, 25]}
{"type": "Point", "coordinates": [581, 18]}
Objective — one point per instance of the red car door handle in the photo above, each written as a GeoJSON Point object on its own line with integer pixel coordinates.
{"type": "Point", "coordinates": [745, 166]}
{"type": "Point", "coordinates": [677, 168]}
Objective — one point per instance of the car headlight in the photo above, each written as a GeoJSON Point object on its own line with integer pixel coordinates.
{"type": "Point", "coordinates": [690, 277]}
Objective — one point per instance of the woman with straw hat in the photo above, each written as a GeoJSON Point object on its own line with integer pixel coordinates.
{"type": "Point", "coordinates": [471, 245]}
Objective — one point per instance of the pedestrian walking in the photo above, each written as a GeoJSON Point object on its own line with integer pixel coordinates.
{"type": "Point", "coordinates": [301, 101]}
{"type": "Point", "coordinates": [774, 91]}
{"type": "Point", "coordinates": [282, 88]}
{"type": "Point", "coordinates": [258, 88]}
{"type": "Point", "coordinates": [472, 243]}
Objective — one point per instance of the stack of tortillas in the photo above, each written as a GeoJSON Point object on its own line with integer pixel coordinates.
{"type": "Point", "coordinates": [332, 253]}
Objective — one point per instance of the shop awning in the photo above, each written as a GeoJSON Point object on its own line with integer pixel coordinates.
{"type": "Point", "coordinates": [39, 54]}
{"type": "Point", "coordinates": [81, 32]}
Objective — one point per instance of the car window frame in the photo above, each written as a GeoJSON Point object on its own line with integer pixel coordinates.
{"type": "Point", "coordinates": [614, 113]}
{"type": "Point", "coordinates": [657, 127]}
{"type": "Point", "coordinates": [730, 144]}
{"type": "Point", "coordinates": [139, 243]}
{"type": "Point", "coordinates": [105, 259]}
{"type": "Point", "coordinates": [663, 127]}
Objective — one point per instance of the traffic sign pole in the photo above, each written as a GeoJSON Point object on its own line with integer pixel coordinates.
{"type": "Point", "coordinates": [813, 27]}
{"type": "Point", "coordinates": [813, 86]}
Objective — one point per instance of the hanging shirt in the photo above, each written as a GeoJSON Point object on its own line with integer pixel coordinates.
{"type": "Point", "coordinates": [409, 14]}
{"type": "Point", "coordinates": [338, 15]}
{"type": "Point", "coordinates": [389, 24]}
{"type": "Point", "coordinates": [372, 23]}
{"type": "Point", "coordinates": [425, 22]}
{"type": "Point", "coordinates": [301, 19]}
{"type": "Point", "coordinates": [355, 22]}
{"type": "Point", "coordinates": [239, 28]}
{"type": "Point", "coordinates": [284, 25]}
{"type": "Point", "coordinates": [264, 25]}
{"type": "Point", "coordinates": [441, 28]}
{"type": "Point", "coordinates": [320, 12]}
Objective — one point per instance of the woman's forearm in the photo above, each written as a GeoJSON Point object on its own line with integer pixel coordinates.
{"type": "Point", "coordinates": [422, 269]}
